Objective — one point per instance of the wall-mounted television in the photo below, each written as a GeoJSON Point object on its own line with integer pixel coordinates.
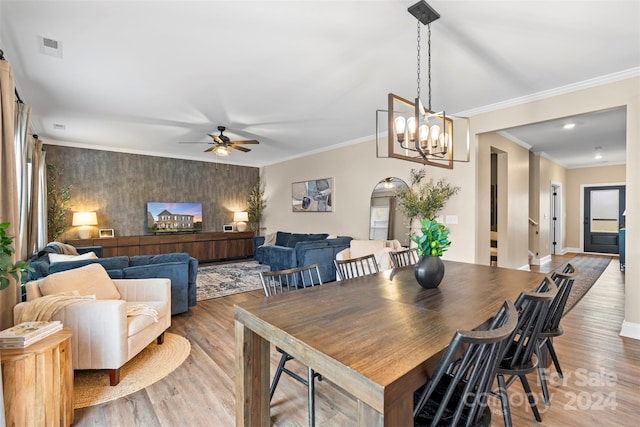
{"type": "Point", "coordinates": [171, 217]}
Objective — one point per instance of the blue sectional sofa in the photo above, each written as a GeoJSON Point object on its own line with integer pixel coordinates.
{"type": "Point", "coordinates": [291, 250]}
{"type": "Point", "coordinates": [179, 267]}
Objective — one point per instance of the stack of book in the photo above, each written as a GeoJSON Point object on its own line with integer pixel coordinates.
{"type": "Point", "coordinates": [27, 333]}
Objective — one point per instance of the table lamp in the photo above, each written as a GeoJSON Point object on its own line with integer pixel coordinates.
{"type": "Point", "coordinates": [84, 220]}
{"type": "Point", "coordinates": [240, 219]}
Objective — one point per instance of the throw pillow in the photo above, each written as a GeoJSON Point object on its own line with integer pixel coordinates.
{"type": "Point", "coordinates": [295, 238]}
{"type": "Point", "coordinates": [281, 238]}
{"type": "Point", "coordinates": [53, 258]}
{"type": "Point", "coordinates": [269, 239]}
{"type": "Point", "coordinates": [318, 236]}
{"type": "Point", "coordinates": [91, 279]}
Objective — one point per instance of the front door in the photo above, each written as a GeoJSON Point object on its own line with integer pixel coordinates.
{"type": "Point", "coordinates": [603, 207]}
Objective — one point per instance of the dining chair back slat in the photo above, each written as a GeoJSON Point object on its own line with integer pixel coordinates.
{"type": "Point", "coordinates": [356, 267]}
{"type": "Point", "coordinates": [520, 356]}
{"type": "Point", "coordinates": [277, 282]}
{"type": "Point", "coordinates": [403, 258]}
{"type": "Point", "coordinates": [457, 392]}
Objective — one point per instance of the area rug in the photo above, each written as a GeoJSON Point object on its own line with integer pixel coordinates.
{"type": "Point", "coordinates": [150, 365]}
{"type": "Point", "coordinates": [219, 280]}
{"type": "Point", "coordinates": [590, 267]}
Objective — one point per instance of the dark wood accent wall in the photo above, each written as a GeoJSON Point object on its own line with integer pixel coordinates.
{"type": "Point", "coordinates": [117, 187]}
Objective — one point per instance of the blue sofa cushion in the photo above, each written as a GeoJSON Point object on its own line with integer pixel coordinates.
{"type": "Point", "coordinates": [158, 259]}
{"type": "Point", "coordinates": [113, 263]}
{"type": "Point", "coordinates": [320, 236]}
{"type": "Point", "coordinates": [178, 272]}
{"type": "Point", "coordinates": [295, 238]}
{"type": "Point", "coordinates": [282, 237]}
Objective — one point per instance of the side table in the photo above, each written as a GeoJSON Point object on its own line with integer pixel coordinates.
{"type": "Point", "coordinates": [38, 382]}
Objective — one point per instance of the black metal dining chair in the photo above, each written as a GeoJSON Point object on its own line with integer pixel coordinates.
{"type": "Point", "coordinates": [520, 356]}
{"type": "Point", "coordinates": [278, 282]}
{"type": "Point", "coordinates": [356, 267]}
{"type": "Point", "coordinates": [457, 392]}
{"type": "Point", "coordinates": [403, 257]}
{"type": "Point", "coordinates": [551, 327]}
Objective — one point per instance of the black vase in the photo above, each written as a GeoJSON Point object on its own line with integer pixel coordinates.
{"type": "Point", "coordinates": [429, 271]}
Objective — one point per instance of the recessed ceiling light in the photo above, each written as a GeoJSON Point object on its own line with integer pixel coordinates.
{"type": "Point", "coordinates": [569, 126]}
{"type": "Point", "coordinates": [598, 153]}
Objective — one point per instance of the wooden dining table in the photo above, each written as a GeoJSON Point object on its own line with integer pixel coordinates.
{"type": "Point", "coordinates": [374, 336]}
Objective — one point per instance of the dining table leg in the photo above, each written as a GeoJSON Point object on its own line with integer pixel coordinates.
{"type": "Point", "coordinates": [252, 378]}
{"type": "Point", "coordinates": [398, 412]}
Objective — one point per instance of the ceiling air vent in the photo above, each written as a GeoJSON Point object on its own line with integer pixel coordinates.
{"type": "Point", "coordinates": [50, 47]}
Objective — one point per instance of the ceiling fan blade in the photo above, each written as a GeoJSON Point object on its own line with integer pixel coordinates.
{"type": "Point", "coordinates": [250, 141]}
{"type": "Point", "coordinates": [216, 138]}
{"type": "Point", "coordinates": [210, 148]}
{"type": "Point", "coordinates": [245, 150]}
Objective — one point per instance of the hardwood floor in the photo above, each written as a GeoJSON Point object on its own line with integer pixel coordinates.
{"type": "Point", "coordinates": [601, 384]}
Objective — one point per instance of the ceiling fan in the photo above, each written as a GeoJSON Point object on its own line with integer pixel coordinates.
{"type": "Point", "coordinates": [222, 144]}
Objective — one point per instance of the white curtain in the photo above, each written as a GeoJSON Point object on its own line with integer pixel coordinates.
{"type": "Point", "coordinates": [23, 147]}
{"type": "Point", "coordinates": [39, 197]}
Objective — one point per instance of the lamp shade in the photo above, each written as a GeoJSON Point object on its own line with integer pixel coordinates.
{"type": "Point", "coordinates": [240, 216]}
{"type": "Point", "coordinates": [84, 218]}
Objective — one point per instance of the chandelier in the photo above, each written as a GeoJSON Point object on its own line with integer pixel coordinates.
{"type": "Point", "coordinates": [416, 132]}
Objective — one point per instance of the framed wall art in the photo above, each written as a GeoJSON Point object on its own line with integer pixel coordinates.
{"type": "Point", "coordinates": [312, 196]}
{"type": "Point", "coordinates": [106, 233]}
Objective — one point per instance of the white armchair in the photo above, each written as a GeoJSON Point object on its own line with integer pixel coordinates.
{"type": "Point", "coordinates": [379, 248]}
{"type": "Point", "coordinates": [104, 336]}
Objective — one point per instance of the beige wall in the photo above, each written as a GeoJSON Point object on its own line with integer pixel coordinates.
{"type": "Point", "coordinates": [513, 201]}
{"type": "Point", "coordinates": [575, 179]}
{"type": "Point", "coordinates": [551, 173]}
{"type": "Point", "coordinates": [356, 171]}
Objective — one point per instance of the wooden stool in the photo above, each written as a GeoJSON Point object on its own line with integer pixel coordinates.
{"type": "Point", "coordinates": [38, 382]}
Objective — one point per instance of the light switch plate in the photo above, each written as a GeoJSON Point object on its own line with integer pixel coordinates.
{"type": "Point", "coordinates": [452, 219]}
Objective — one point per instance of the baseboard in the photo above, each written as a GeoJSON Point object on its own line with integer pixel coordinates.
{"type": "Point", "coordinates": [525, 267]}
{"type": "Point", "coordinates": [545, 260]}
{"type": "Point", "coordinates": [630, 330]}
{"type": "Point", "coordinates": [572, 250]}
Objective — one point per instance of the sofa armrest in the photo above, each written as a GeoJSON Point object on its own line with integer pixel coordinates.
{"type": "Point", "coordinates": [152, 289]}
{"type": "Point", "coordinates": [257, 241]}
{"type": "Point", "coordinates": [193, 286]}
{"type": "Point", "coordinates": [282, 258]}
{"type": "Point", "coordinates": [99, 332]}
{"type": "Point", "coordinates": [177, 272]}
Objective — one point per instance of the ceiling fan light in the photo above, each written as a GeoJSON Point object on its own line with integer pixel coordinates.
{"type": "Point", "coordinates": [221, 150]}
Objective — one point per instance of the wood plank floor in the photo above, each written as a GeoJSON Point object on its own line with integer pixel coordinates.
{"type": "Point", "coordinates": [601, 385]}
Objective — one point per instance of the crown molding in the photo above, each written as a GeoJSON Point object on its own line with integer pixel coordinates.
{"type": "Point", "coordinates": [585, 84]}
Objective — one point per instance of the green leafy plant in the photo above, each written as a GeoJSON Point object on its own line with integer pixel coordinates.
{"type": "Point", "coordinates": [7, 268]}
{"type": "Point", "coordinates": [58, 205]}
{"type": "Point", "coordinates": [424, 199]}
{"type": "Point", "coordinates": [434, 239]}
{"type": "Point", "coordinates": [256, 205]}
